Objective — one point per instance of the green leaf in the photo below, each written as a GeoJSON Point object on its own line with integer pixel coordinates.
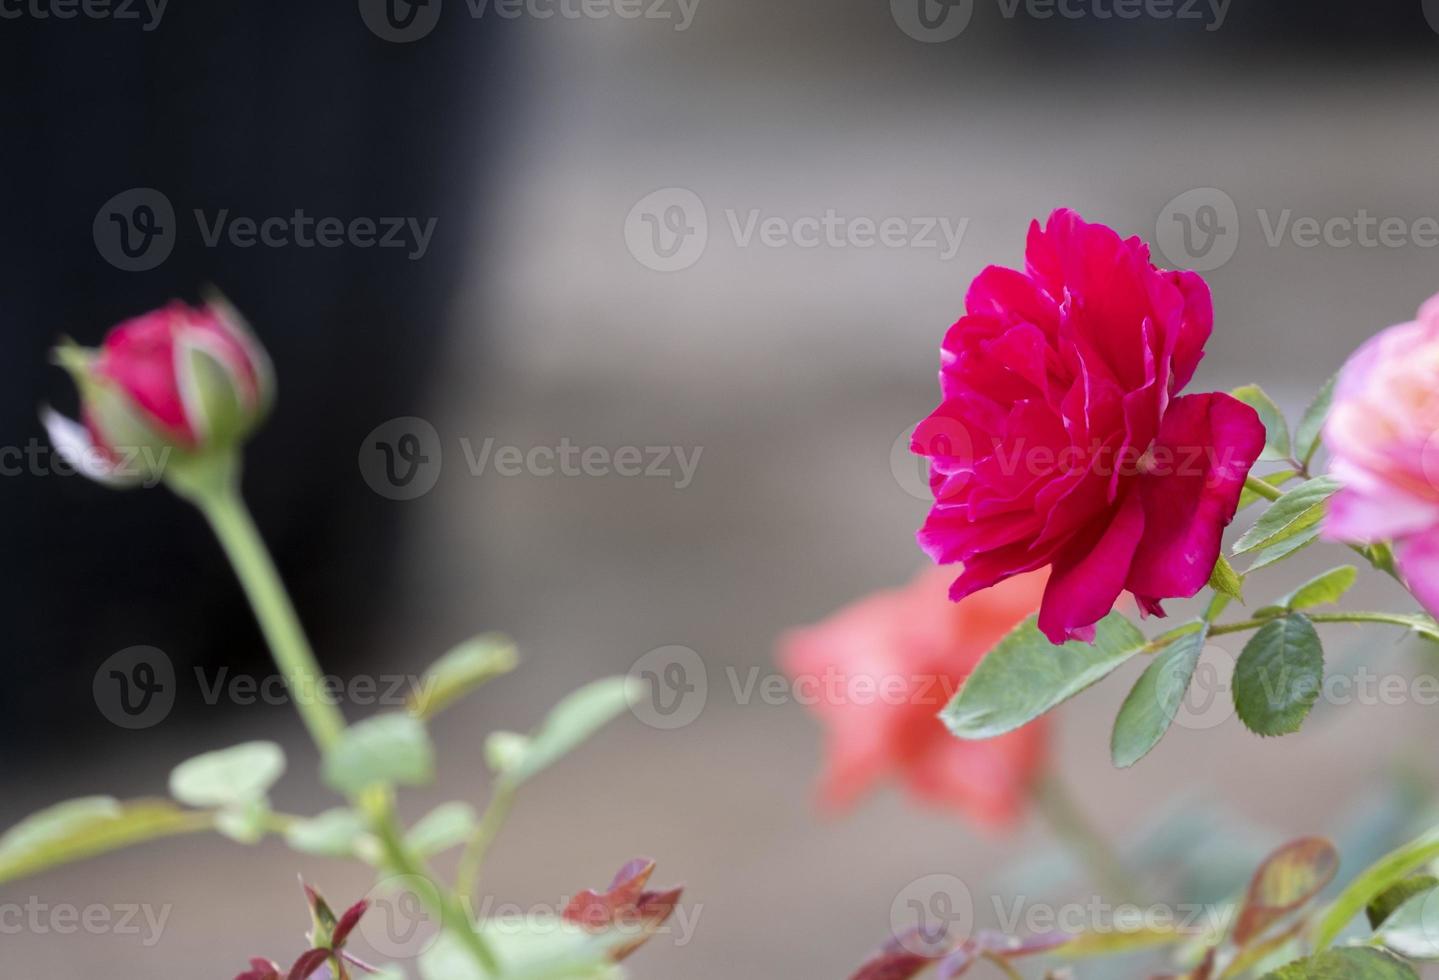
{"type": "Point", "coordinates": [1283, 548]}
{"type": "Point", "coordinates": [1026, 675]}
{"type": "Point", "coordinates": [531, 947]}
{"type": "Point", "coordinates": [244, 823]}
{"type": "Point", "coordinates": [1311, 427]}
{"type": "Point", "coordinates": [1278, 676]}
{"type": "Point", "coordinates": [1225, 580]}
{"type": "Point", "coordinates": [1326, 588]}
{"type": "Point", "coordinates": [388, 749]}
{"type": "Point", "coordinates": [1289, 879]}
{"type": "Point", "coordinates": [1275, 480]}
{"type": "Point", "coordinates": [505, 750]}
{"type": "Point", "coordinates": [1413, 928]}
{"type": "Point", "coordinates": [1155, 699]}
{"type": "Point", "coordinates": [1276, 430]}
{"type": "Point", "coordinates": [1396, 895]}
{"type": "Point", "coordinates": [84, 828]}
{"type": "Point", "coordinates": [574, 720]}
{"type": "Point", "coordinates": [447, 825]}
{"type": "Point", "coordinates": [59, 821]}
{"type": "Point", "coordinates": [1296, 511]}
{"type": "Point", "coordinates": [1350, 963]}
{"type": "Point", "coordinates": [228, 777]}
{"type": "Point", "coordinates": [461, 671]}
{"type": "Point", "coordinates": [334, 833]}
{"type": "Point", "coordinates": [1379, 877]}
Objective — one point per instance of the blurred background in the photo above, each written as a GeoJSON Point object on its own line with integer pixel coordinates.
{"type": "Point", "coordinates": [652, 226]}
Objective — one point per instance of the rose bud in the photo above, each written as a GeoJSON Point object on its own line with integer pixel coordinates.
{"type": "Point", "coordinates": [179, 380]}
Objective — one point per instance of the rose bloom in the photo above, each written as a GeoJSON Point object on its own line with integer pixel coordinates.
{"type": "Point", "coordinates": [1062, 440]}
{"type": "Point", "coordinates": [1381, 434]}
{"type": "Point", "coordinates": [879, 672]}
{"type": "Point", "coordinates": [192, 379]}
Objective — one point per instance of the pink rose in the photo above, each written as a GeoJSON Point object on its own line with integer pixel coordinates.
{"type": "Point", "coordinates": [1381, 434]}
{"type": "Point", "coordinates": [1061, 439]}
{"type": "Point", "coordinates": [178, 378]}
{"type": "Point", "coordinates": [878, 672]}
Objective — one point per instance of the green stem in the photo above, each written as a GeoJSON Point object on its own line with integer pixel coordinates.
{"type": "Point", "coordinates": [225, 509]}
{"type": "Point", "coordinates": [1392, 619]}
{"type": "Point", "coordinates": [453, 910]}
{"type": "Point", "coordinates": [473, 858]}
{"type": "Point", "coordinates": [213, 485]}
{"type": "Point", "coordinates": [1054, 801]}
{"type": "Point", "coordinates": [1263, 488]}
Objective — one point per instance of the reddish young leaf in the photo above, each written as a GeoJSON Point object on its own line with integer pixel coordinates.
{"type": "Point", "coordinates": [1287, 880]}
{"type": "Point", "coordinates": [261, 969]}
{"type": "Point", "coordinates": [625, 906]}
{"type": "Point", "coordinates": [307, 964]}
{"type": "Point", "coordinates": [897, 959]}
{"type": "Point", "coordinates": [347, 923]}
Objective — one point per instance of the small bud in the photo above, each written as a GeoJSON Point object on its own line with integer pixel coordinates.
{"type": "Point", "coordinates": [180, 381]}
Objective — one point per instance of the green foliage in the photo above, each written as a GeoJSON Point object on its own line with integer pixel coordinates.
{"type": "Point", "coordinates": [87, 827]}
{"type": "Point", "coordinates": [334, 833]}
{"type": "Point", "coordinates": [1276, 430]}
{"type": "Point", "coordinates": [1155, 698]}
{"type": "Point", "coordinates": [568, 725]}
{"type": "Point", "coordinates": [1275, 480]}
{"type": "Point", "coordinates": [388, 749]}
{"type": "Point", "coordinates": [232, 777]}
{"type": "Point", "coordinates": [1292, 514]}
{"type": "Point", "coordinates": [1283, 548]}
{"type": "Point", "coordinates": [1373, 882]}
{"type": "Point", "coordinates": [1226, 581]}
{"type": "Point", "coordinates": [447, 825]}
{"type": "Point", "coordinates": [1412, 929]}
{"type": "Point", "coordinates": [1311, 426]}
{"type": "Point", "coordinates": [1318, 591]}
{"type": "Point", "coordinates": [1278, 676]}
{"type": "Point", "coordinates": [1396, 895]}
{"type": "Point", "coordinates": [532, 947]}
{"type": "Point", "coordinates": [461, 671]}
{"type": "Point", "coordinates": [1026, 675]}
{"type": "Point", "coordinates": [1350, 963]}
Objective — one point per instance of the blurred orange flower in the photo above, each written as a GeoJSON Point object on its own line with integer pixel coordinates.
{"type": "Point", "coordinates": [878, 672]}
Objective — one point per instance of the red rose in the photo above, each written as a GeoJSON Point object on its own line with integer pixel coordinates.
{"type": "Point", "coordinates": [1062, 440]}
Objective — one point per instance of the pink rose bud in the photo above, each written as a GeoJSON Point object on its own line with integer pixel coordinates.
{"type": "Point", "coordinates": [179, 380]}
